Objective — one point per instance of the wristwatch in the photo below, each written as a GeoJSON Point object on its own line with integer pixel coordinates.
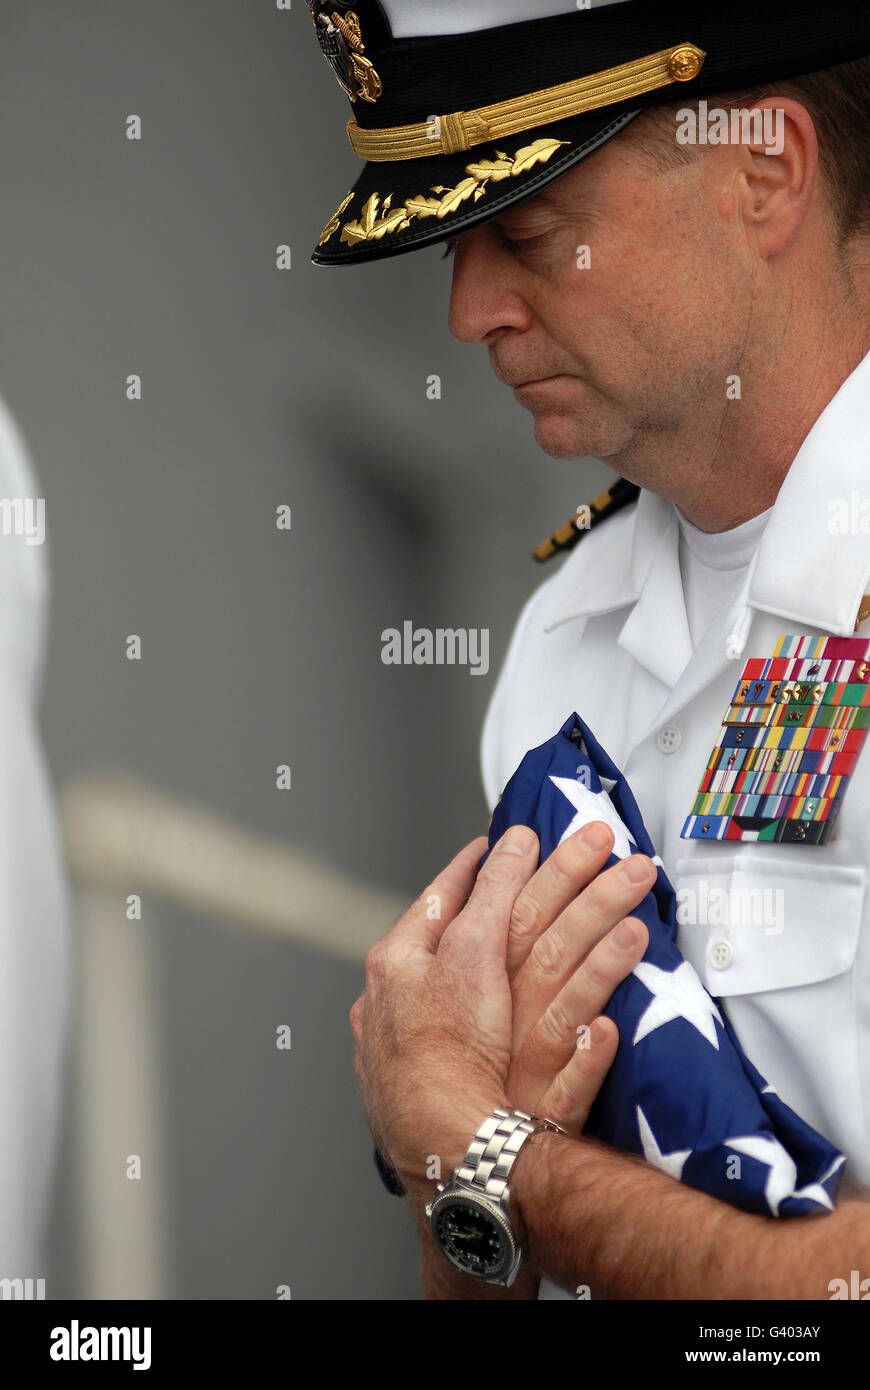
{"type": "Point", "coordinates": [470, 1217]}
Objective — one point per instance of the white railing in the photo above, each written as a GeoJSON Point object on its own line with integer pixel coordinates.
{"type": "Point", "coordinates": [123, 837]}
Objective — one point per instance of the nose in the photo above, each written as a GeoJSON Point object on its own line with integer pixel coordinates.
{"type": "Point", "coordinates": [485, 299]}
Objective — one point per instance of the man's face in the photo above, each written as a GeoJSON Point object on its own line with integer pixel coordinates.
{"type": "Point", "coordinates": [631, 341]}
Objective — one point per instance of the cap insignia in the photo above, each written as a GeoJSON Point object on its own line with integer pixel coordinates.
{"type": "Point", "coordinates": [340, 39]}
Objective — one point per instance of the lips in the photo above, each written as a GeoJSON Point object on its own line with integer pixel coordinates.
{"type": "Point", "coordinates": [536, 381]}
{"type": "Point", "coordinates": [515, 382]}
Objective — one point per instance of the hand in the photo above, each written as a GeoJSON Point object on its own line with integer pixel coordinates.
{"type": "Point", "coordinates": [440, 1038]}
{"type": "Point", "coordinates": [433, 1028]}
{"type": "Point", "coordinates": [570, 944]}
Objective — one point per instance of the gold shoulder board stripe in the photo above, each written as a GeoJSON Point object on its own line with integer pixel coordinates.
{"type": "Point", "coordinates": [611, 501]}
{"type": "Point", "coordinates": [863, 611]}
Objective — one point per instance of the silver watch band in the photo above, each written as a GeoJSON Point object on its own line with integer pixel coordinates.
{"type": "Point", "coordinates": [493, 1150]}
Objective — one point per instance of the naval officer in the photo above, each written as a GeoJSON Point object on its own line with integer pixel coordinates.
{"type": "Point", "coordinates": [692, 306]}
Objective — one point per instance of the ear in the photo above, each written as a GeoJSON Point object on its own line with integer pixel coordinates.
{"type": "Point", "coordinates": [778, 171]}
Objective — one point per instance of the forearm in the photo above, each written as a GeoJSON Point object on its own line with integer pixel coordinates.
{"type": "Point", "coordinates": [439, 1277]}
{"type": "Point", "coordinates": [591, 1216]}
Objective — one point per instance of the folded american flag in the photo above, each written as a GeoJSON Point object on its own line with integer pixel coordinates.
{"type": "Point", "coordinates": [680, 1091]}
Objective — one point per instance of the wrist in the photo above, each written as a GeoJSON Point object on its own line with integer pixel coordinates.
{"type": "Point", "coordinates": [534, 1158]}
{"type": "Point", "coordinates": [420, 1171]}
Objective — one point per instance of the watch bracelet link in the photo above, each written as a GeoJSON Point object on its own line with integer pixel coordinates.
{"type": "Point", "coordinates": [494, 1148]}
{"type": "Point", "coordinates": [484, 1149]}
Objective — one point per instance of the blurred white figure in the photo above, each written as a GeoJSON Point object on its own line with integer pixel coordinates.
{"type": "Point", "coordinates": [35, 954]}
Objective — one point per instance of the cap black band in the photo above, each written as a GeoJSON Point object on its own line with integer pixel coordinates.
{"type": "Point", "coordinates": [747, 42]}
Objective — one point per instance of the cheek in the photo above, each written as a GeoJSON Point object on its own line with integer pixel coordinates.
{"type": "Point", "coordinates": [658, 287]}
{"type": "Point", "coordinates": [678, 292]}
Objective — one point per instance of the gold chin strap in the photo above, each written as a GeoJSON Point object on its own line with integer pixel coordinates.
{"type": "Point", "coordinates": [461, 130]}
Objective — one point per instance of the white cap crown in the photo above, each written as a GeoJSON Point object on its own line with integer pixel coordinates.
{"type": "Point", "coordinates": [426, 18]}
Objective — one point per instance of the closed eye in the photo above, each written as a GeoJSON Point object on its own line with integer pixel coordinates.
{"type": "Point", "coordinates": [519, 244]}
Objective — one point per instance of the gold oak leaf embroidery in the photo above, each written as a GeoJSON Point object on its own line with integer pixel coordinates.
{"type": "Point", "coordinates": [333, 224]}
{"type": "Point", "coordinates": [371, 226]}
{"type": "Point", "coordinates": [540, 150]}
{"type": "Point", "coordinates": [377, 219]}
{"type": "Point", "coordinates": [494, 169]}
{"type": "Point", "coordinates": [454, 196]}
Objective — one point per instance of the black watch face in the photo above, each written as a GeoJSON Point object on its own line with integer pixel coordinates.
{"type": "Point", "coordinates": [471, 1239]}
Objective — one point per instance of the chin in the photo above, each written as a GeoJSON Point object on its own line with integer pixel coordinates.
{"type": "Point", "coordinates": [567, 434]}
{"type": "Point", "coordinates": [560, 438]}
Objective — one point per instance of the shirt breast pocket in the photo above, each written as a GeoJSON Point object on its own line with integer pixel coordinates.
{"type": "Point", "coordinates": [749, 925]}
{"type": "Point", "coordinates": [777, 941]}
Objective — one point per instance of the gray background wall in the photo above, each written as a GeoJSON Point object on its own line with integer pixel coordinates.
{"type": "Point", "coordinates": [260, 647]}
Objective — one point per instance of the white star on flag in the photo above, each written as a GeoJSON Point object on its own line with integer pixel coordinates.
{"type": "Point", "coordinates": [783, 1171]}
{"type": "Point", "coordinates": [676, 994]}
{"type": "Point", "coordinates": [591, 806]}
{"type": "Point", "coordinates": [673, 1163]}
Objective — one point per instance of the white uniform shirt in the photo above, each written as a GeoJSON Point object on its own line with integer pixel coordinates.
{"type": "Point", "coordinates": [34, 935]}
{"type": "Point", "coordinates": [713, 566]}
{"type": "Point", "coordinates": [607, 635]}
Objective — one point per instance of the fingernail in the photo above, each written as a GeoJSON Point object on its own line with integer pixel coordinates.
{"type": "Point", "coordinates": [599, 1033]}
{"type": "Point", "coordinates": [635, 869]}
{"type": "Point", "coordinates": [518, 840]}
{"type": "Point", "coordinates": [595, 836]}
{"type": "Point", "coordinates": [625, 936]}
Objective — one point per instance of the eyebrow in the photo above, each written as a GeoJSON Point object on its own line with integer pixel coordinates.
{"type": "Point", "coordinates": [546, 198]}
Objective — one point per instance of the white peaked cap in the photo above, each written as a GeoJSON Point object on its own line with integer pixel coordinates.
{"type": "Point", "coordinates": [425, 18]}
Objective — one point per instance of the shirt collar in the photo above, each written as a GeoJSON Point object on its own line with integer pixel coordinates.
{"type": "Point", "coordinates": [625, 551]}
{"type": "Point", "coordinates": [813, 562]}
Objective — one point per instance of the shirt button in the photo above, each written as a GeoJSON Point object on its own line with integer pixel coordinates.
{"type": "Point", "coordinates": [721, 955]}
{"type": "Point", "coordinates": [668, 739]}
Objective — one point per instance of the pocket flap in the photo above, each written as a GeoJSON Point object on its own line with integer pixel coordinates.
{"type": "Point", "coordinates": [749, 925]}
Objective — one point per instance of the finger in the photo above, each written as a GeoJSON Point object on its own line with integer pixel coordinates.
{"type": "Point", "coordinates": [570, 1096]}
{"type": "Point", "coordinates": [428, 917]}
{"type": "Point", "coordinates": [561, 1027]}
{"type": "Point", "coordinates": [572, 865]}
{"type": "Point", "coordinates": [481, 928]}
{"type": "Point", "coordinates": [559, 951]}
